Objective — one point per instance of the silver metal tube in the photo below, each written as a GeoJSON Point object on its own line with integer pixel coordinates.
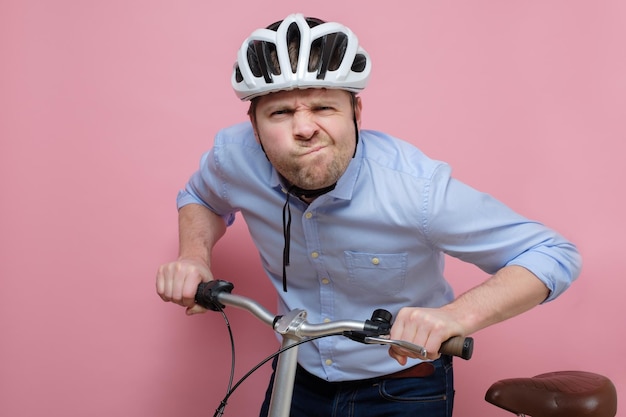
{"type": "Point", "coordinates": [282, 392]}
{"type": "Point", "coordinates": [247, 304]}
{"type": "Point", "coordinates": [323, 329]}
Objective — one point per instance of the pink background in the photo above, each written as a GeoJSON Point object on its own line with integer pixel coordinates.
{"type": "Point", "coordinates": [106, 106]}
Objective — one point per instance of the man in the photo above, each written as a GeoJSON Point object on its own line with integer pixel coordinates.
{"type": "Point", "coordinates": [366, 221]}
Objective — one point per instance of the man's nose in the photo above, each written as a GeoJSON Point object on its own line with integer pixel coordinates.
{"type": "Point", "coordinates": [304, 126]}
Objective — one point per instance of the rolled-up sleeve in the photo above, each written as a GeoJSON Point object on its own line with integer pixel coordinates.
{"type": "Point", "coordinates": [477, 228]}
{"type": "Point", "coordinates": [206, 188]}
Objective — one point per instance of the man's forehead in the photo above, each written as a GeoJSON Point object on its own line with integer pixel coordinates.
{"type": "Point", "coordinates": [312, 94]}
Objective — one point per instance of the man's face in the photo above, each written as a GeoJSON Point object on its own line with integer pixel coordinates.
{"type": "Point", "coordinates": [308, 135]}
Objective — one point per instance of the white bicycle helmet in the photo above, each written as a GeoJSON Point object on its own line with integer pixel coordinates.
{"type": "Point", "coordinates": [264, 66]}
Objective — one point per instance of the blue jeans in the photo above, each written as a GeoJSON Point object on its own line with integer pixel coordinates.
{"type": "Point", "coordinates": [430, 396]}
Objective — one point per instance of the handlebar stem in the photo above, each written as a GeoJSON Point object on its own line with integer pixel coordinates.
{"type": "Point", "coordinates": [294, 324]}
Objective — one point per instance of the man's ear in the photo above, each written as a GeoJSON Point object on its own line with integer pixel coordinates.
{"type": "Point", "coordinates": [358, 107]}
{"type": "Point", "coordinates": [254, 128]}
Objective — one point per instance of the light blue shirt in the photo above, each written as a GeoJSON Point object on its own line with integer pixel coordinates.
{"type": "Point", "coordinates": [376, 241]}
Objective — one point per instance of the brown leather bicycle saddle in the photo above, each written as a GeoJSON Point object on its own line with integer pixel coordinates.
{"type": "Point", "coordinates": [556, 394]}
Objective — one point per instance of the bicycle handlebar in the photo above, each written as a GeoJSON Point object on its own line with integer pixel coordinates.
{"type": "Point", "coordinates": [215, 295]}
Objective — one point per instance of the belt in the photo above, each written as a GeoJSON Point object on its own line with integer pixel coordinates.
{"type": "Point", "coordinates": [420, 370]}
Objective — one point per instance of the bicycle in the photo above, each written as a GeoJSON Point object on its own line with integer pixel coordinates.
{"type": "Point", "coordinates": [520, 395]}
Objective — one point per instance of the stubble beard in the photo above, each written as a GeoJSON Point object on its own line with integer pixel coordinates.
{"type": "Point", "coordinates": [314, 174]}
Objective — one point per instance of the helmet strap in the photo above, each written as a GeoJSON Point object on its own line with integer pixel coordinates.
{"type": "Point", "coordinates": [300, 193]}
{"type": "Point", "coordinates": [356, 125]}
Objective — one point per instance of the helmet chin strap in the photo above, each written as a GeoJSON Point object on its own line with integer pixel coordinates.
{"type": "Point", "coordinates": [305, 194]}
{"type": "Point", "coordinates": [356, 125]}
{"type": "Point", "coordinates": [302, 193]}
{"type": "Point", "coordinates": [309, 194]}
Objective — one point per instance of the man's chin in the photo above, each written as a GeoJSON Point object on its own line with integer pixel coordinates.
{"type": "Point", "coordinates": [317, 184]}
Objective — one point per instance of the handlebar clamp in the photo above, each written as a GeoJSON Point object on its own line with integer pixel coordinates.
{"type": "Point", "coordinates": [378, 325]}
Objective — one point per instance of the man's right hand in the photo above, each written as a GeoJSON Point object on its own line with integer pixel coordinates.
{"type": "Point", "coordinates": [178, 281]}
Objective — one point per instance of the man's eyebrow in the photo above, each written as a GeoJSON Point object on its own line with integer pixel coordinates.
{"type": "Point", "coordinates": [324, 102]}
{"type": "Point", "coordinates": [313, 102]}
{"type": "Point", "coordinates": [284, 105]}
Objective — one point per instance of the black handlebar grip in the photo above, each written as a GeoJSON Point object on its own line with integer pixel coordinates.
{"type": "Point", "coordinates": [207, 292]}
{"type": "Point", "coordinates": [463, 347]}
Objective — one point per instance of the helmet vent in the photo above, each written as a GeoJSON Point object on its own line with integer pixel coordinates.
{"type": "Point", "coordinates": [359, 63]}
{"type": "Point", "coordinates": [262, 60]}
{"type": "Point", "coordinates": [238, 76]}
{"type": "Point", "coordinates": [327, 54]}
{"type": "Point", "coordinates": [253, 61]}
{"type": "Point", "coordinates": [293, 39]}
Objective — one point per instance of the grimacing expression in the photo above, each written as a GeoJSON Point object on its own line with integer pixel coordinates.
{"type": "Point", "coordinates": [308, 135]}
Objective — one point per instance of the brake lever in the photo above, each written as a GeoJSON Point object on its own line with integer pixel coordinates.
{"type": "Point", "coordinates": [382, 340]}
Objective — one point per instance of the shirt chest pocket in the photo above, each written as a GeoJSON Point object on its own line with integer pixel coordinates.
{"type": "Point", "coordinates": [382, 273]}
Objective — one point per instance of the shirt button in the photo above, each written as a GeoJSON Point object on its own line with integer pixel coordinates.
{"type": "Point", "coordinates": [326, 320]}
{"type": "Point", "coordinates": [375, 261]}
{"type": "Point", "coordinates": [325, 281]}
{"type": "Point", "coordinates": [328, 362]}
{"type": "Point", "coordinates": [308, 215]}
{"type": "Point", "coordinates": [315, 255]}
